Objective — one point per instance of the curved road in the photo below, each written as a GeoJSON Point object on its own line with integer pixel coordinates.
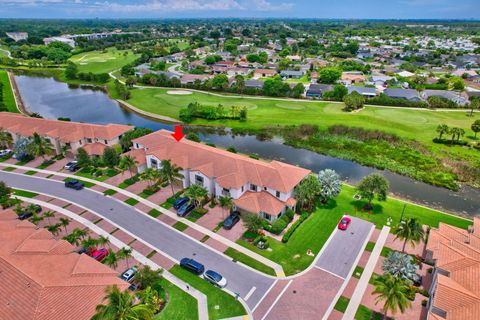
{"type": "Point", "coordinates": [249, 284]}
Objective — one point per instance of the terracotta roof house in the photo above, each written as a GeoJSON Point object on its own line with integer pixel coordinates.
{"type": "Point", "coordinates": [264, 73]}
{"type": "Point", "coordinates": [44, 279]}
{"type": "Point", "coordinates": [191, 78]}
{"type": "Point", "coordinates": [455, 290]}
{"type": "Point", "coordinates": [93, 137]}
{"type": "Point", "coordinates": [351, 78]}
{"type": "Point", "coordinates": [264, 188]}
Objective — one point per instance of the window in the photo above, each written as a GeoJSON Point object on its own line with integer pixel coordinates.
{"type": "Point", "coordinates": [243, 188]}
{"type": "Point", "coordinates": [106, 141]}
{"type": "Point", "coordinates": [226, 192]}
{"type": "Point", "coordinates": [137, 146]}
{"type": "Point", "coordinates": [253, 187]}
{"type": "Point", "coordinates": [153, 162]}
{"type": "Point", "coordinates": [277, 194]}
{"type": "Point", "coordinates": [265, 188]}
{"type": "Point", "coordinates": [80, 142]}
{"type": "Point", "coordinates": [268, 217]}
{"type": "Point", "coordinates": [89, 140]}
{"type": "Point", "coordinates": [199, 180]}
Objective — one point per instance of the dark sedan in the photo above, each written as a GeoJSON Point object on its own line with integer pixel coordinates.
{"type": "Point", "coordinates": [180, 202]}
{"type": "Point", "coordinates": [185, 209]}
{"type": "Point", "coordinates": [74, 184]}
{"type": "Point", "coordinates": [231, 220]}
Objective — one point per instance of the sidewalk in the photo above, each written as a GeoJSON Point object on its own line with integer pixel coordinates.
{"type": "Point", "coordinates": [275, 266]}
{"type": "Point", "coordinates": [199, 296]}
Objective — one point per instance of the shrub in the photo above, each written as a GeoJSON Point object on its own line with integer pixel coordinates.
{"type": "Point", "coordinates": [278, 226]}
{"type": "Point", "coordinates": [424, 302]}
{"type": "Point", "coordinates": [294, 227]}
{"type": "Point", "coordinates": [450, 142]}
{"type": "Point", "coordinates": [290, 214]}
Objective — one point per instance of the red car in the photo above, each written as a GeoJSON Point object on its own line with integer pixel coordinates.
{"type": "Point", "coordinates": [344, 223]}
{"type": "Point", "coordinates": [99, 254]}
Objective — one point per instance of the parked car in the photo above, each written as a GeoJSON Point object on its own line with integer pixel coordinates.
{"type": "Point", "coordinates": [129, 274]}
{"type": "Point", "coordinates": [215, 278]}
{"type": "Point", "coordinates": [344, 223]}
{"type": "Point", "coordinates": [5, 152]}
{"type": "Point", "coordinates": [192, 265]}
{"type": "Point", "coordinates": [27, 214]}
{"type": "Point", "coordinates": [99, 254]}
{"type": "Point", "coordinates": [74, 184]}
{"type": "Point", "coordinates": [70, 164]}
{"type": "Point", "coordinates": [180, 202]}
{"type": "Point", "coordinates": [231, 220]}
{"type": "Point", "coordinates": [185, 209]}
{"type": "Point", "coordinates": [133, 286]}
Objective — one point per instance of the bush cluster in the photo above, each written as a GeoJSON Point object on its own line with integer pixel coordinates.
{"type": "Point", "coordinates": [294, 227]}
{"type": "Point", "coordinates": [197, 110]}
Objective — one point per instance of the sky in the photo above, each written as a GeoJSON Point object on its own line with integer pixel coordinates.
{"type": "Point", "coordinates": [322, 9]}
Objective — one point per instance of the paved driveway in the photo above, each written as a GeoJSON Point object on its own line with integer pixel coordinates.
{"type": "Point", "coordinates": [174, 243]}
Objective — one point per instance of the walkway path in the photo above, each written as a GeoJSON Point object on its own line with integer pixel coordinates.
{"type": "Point", "coordinates": [201, 298]}
{"type": "Point", "coordinates": [366, 275]}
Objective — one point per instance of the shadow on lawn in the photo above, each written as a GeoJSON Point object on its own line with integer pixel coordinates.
{"type": "Point", "coordinates": [359, 205]}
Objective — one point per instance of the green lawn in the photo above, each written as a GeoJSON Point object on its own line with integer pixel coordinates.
{"type": "Point", "coordinates": [342, 304]}
{"type": "Point", "coordinates": [109, 192]}
{"type": "Point", "coordinates": [180, 226]}
{"type": "Point", "coordinates": [8, 98]}
{"type": "Point", "coordinates": [364, 313]}
{"type": "Point", "coordinates": [24, 193]}
{"type": "Point", "coordinates": [220, 304]}
{"type": "Point", "coordinates": [154, 213]}
{"type": "Point", "coordinates": [314, 232]}
{"type": "Point", "coordinates": [103, 62]}
{"type": "Point", "coordinates": [131, 201]}
{"type": "Point", "coordinates": [87, 173]}
{"type": "Point", "coordinates": [251, 262]}
{"type": "Point", "coordinates": [180, 304]}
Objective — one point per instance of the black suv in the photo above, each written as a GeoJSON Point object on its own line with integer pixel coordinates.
{"type": "Point", "coordinates": [74, 184]}
{"type": "Point", "coordinates": [231, 220]}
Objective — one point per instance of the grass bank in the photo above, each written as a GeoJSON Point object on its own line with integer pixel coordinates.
{"type": "Point", "coordinates": [180, 304]}
{"type": "Point", "coordinates": [8, 97]}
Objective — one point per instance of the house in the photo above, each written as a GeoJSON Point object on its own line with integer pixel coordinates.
{"type": "Point", "coordinates": [94, 138]}
{"type": "Point", "coordinates": [405, 74]}
{"type": "Point", "coordinates": [455, 289]}
{"type": "Point", "coordinates": [380, 80]}
{"type": "Point", "coordinates": [17, 36]}
{"type": "Point", "coordinates": [349, 78]}
{"type": "Point", "coordinates": [44, 278]}
{"type": "Point", "coordinates": [364, 91]}
{"type": "Point", "coordinates": [317, 90]}
{"type": "Point", "coordinates": [291, 74]}
{"type": "Point", "coordinates": [68, 41]}
{"type": "Point", "coordinates": [264, 73]}
{"type": "Point", "coordinates": [253, 84]}
{"type": "Point", "coordinates": [456, 97]}
{"type": "Point", "coordinates": [235, 71]}
{"type": "Point", "coordinates": [294, 58]}
{"type": "Point", "coordinates": [408, 94]}
{"type": "Point", "coordinates": [191, 78]}
{"type": "Point", "coordinates": [226, 64]}
{"type": "Point", "coordinates": [260, 187]}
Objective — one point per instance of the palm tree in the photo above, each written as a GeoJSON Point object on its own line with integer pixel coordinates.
{"type": "Point", "coordinates": [103, 241]}
{"type": "Point", "coordinates": [35, 219]}
{"type": "Point", "coordinates": [146, 276]}
{"type": "Point", "coordinates": [128, 163]}
{"type": "Point", "coordinates": [226, 202]}
{"type": "Point", "coordinates": [392, 291]}
{"type": "Point", "coordinates": [40, 147]}
{"type": "Point", "coordinates": [111, 259]}
{"type": "Point", "coordinates": [152, 176]}
{"type": "Point", "coordinates": [409, 230]}
{"type": "Point", "coordinates": [125, 253]}
{"type": "Point", "coordinates": [196, 193]}
{"type": "Point", "coordinates": [442, 129]}
{"type": "Point", "coordinates": [89, 243]}
{"type": "Point", "coordinates": [5, 139]}
{"type": "Point", "coordinates": [170, 172]}
{"type": "Point", "coordinates": [122, 306]}
{"type": "Point", "coordinates": [49, 214]}
{"type": "Point", "coordinates": [64, 222]}
{"type": "Point", "coordinates": [54, 229]}
{"type": "Point", "coordinates": [150, 297]}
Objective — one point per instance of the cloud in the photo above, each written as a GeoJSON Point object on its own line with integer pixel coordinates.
{"type": "Point", "coordinates": [264, 5]}
{"type": "Point", "coordinates": [170, 6]}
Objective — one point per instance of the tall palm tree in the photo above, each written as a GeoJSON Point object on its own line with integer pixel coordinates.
{"type": "Point", "coordinates": [35, 219]}
{"type": "Point", "coordinates": [103, 241]}
{"type": "Point", "coordinates": [111, 259]}
{"type": "Point", "coordinates": [128, 163]}
{"type": "Point", "coordinates": [64, 222]}
{"type": "Point", "coordinates": [125, 253]}
{"type": "Point", "coordinates": [196, 193]}
{"type": "Point", "coordinates": [393, 291]}
{"type": "Point", "coordinates": [226, 202]}
{"type": "Point", "coordinates": [146, 276]}
{"type": "Point", "coordinates": [152, 176]}
{"type": "Point", "coordinates": [170, 172]}
{"type": "Point", "coordinates": [40, 147]}
{"type": "Point", "coordinates": [442, 129]}
{"type": "Point", "coordinates": [409, 230]}
{"type": "Point", "coordinates": [54, 229]}
{"type": "Point", "coordinates": [122, 306]}
{"type": "Point", "coordinates": [49, 214]}
{"type": "Point", "coordinates": [6, 139]}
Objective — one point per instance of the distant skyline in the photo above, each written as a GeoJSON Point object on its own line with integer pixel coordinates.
{"type": "Point", "coordinates": [322, 9]}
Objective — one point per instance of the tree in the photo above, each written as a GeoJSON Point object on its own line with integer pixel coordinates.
{"type": "Point", "coordinates": [476, 127]}
{"type": "Point", "coordinates": [54, 229]}
{"type": "Point", "coordinates": [401, 265]}
{"type": "Point", "coordinates": [329, 75]}
{"type": "Point", "coordinates": [307, 191]}
{"type": "Point", "coordinates": [150, 297]}
{"type": "Point", "coordinates": [49, 214]}
{"type": "Point", "coordinates": [409, 230]}
{"type": "Point", "coordinates": [474, 104]}
{"type": "Point", "coordinates": [252, 222]}
{"type": "Point", "coordinates": [196, 193]}
{"type": "Point", "coordinates": [152, 176]}
{"type": "Point", "coordinates": [89, 243]}
{"type": "Point", "coordinates": [373, 185]}
{"type": "Point", "coordinates": [330, 184]}
{"type": "Point", "coordinates": [456, 83]}
{"type": "Point", "coordinates": [170, 173]}
{"type": "Point", "coordinates": [83, 159]}
{"type": "Point", "coordinates": [192, 136]}
{"type": "Point", "coordinates": [393, 292]}
{"type": "Point", "coordinates": [39, 146]}
{"type": "Point", "coordinates": [298, 90]}
{"type": "Point", "coordinates": [128, 163]}
{"type": "Point", "coordinates": [131, 81]}
{"type": "Point", "coordinates": [5, 191]}
{"type": "Point", "coordinates": [122, 306]}
{"type": "Point", "coordinates": [64, 222]}
{"type": "Point", "coordinates": [210, 60]}
{"type": "Point", "coordinates": [71, 70]}
{"type": "Point", "coordinates": [220, 81]}
{"type": "Point", "coordinates": [5, 139]}
{"type": "Point", "coordinates": [353, 101]}
{"type": "Point", "coordinates": [146, 276]}
{"type": "Point", "coordinates": [442, 129]}
{"type": "Point", "coordinates": [35, 219]}
{"type": "Point", "coordinates": [457, 133]}
{"type": "Point", "coordinates": [125, 253]}
{"type": "Point", "coordinates": [111, 259]}
{"type": "Point", "coordinates": [127, 137]}
{"type": "Point", "coordinates": [226, 202]}
{"type": "Point", "coordinates": [103, 241]}
{"type": "Point", "coordinates": [110, 157]}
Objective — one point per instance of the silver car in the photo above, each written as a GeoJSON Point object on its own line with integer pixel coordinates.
{"type": "Point", "coordinates": [129, 274]}
{"type": "Point", "coordinates": [215, 278]}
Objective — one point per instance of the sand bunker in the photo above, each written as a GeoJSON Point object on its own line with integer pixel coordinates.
{"type": "Point", "coordinates": [179, 92]}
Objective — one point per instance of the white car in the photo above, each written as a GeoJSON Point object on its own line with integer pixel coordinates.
{"type": "Point", "coordinates": [129, 274]}
{"type": "Point", "coordinates": [71, 164]}
{"type": "Point", "coordinates": [215, 278]}
{"type": "Point", "coordinates": [5, 152]}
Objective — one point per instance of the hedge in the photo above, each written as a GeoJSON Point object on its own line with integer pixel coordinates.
{"type": "Point", "coordinates": [294, 227]}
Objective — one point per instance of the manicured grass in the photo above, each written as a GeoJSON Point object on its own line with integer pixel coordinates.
{"type": "Point", "coordinates": [8, 97]}
{"type": "Point", "coordinates": [342, 304]}
{"type": "Point", "coordinates": [369, 247]}
{"type": "Point", "coordinates": [154, 213]}
{"type": "Point", "coordinates": [30, 172]}
{"type": "Point", "coordinates": [131, 201]}
{"type": "Point", "coordinates": [364, 313]}
{"type": "Point", "coordinates": [151, 254]}
{"type": "Point", "coordinates": [167, 205]}
{"type": "Point", "coordinates": [9, 169]}
{"type": "Point", "coordinates": [357, 273]}
{"type": "Point", "coordinates": [24, 193]}
{"type": "Point", "coordinates": [194, 216]}
{"type": "Point", "coordinates": [180, 226]}
{"type": "Point", "coordinates": [88, 173]}
{"type": "Point", "coordinates": [228, 306]}
{"type": "Point", "coordinates": [23, 162]}
{"type": "Point", "coordinates": [237, 255]}
{"type": "Point", "coordinates": [314, 232]}
{"type": "Point", "coordinates": [109, 192]}
{"type": "Point", "coordinates": [180, 304]}
{"type": "Point", "coordinates": [86, 183]}
{"type": "Point", "coordinates": [103, 62]}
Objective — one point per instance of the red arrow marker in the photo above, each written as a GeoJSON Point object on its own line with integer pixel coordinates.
{"type": "Point", "coordinates": [178, 135]}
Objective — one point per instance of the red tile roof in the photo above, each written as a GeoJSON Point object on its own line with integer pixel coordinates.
{"type": "Point", "coordinates": [43, 278]}
{"type": "Point", "coordinates": [260, 202]}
